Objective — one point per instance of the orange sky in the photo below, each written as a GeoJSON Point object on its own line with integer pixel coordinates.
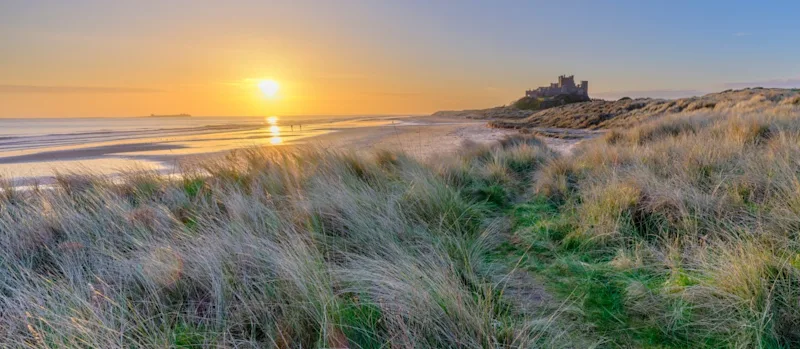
{"type": "Point", "coordinates": [221, 79]}
{"type": "Point", "coordinates": [121, 67]}
{"type": "Point", "coordinates": [204, 57]}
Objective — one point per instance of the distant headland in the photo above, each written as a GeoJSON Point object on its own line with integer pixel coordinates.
{"type": "Point", "coordinates": [565, 104]}
{"type": "Point", "coordinates": [557, 94]}
{"type": "Point", "coordinates": [169, 116]}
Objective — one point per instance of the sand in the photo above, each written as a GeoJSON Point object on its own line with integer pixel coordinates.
{"type": "Point", "coordinates": [426, 138]}
{"type": "Point", "coordinates": [420, 137]}
{"type": "Point", "coordinates": [564, 140]}
{"type": "Point", "coordinates": [423, 137]}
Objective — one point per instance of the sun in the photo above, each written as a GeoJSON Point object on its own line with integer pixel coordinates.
{"type": "Point", "coordinates": [269, 88]}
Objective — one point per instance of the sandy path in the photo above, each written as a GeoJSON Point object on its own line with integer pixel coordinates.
{"type": "Point", "coordinates": [426, 137]}
{"type": "Point", "coordinates": [563, 140]}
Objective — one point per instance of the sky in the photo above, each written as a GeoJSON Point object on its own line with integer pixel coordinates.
{"type": "Point", "coordinates": [94, 58]}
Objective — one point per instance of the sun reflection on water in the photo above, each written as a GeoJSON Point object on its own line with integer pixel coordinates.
{"type": "Point", "coordinates": [274, 130]}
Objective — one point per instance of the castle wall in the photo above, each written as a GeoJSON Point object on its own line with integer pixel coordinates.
{"type": "Point", "coordinates": [565, 85]}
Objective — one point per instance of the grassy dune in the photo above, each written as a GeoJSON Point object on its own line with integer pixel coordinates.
{"type": "Point", "coordinates": [626, 112]}
{"type": "Point", "coordinates": [677, 233]}
{"type": "Point", "coordinates": [309, 249]}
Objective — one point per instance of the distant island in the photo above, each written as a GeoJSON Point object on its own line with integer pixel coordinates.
{"type": "Point", "coordinates": [169, 116]}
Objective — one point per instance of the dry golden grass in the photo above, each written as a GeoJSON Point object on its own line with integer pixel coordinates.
{"type": "Point", "coordinates": [308, 249]}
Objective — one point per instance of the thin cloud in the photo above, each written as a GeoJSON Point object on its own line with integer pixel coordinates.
{"type": "Point", "coordinates": [740, 34]}
{"type": "Point", "coordinates": [778, 83]}
{"type": "Point", "coordinates": [393, 94]}
{"type": "Point", "coordinates": [648, 94]}
{"type": "Point", "coordinates": [35, 89]}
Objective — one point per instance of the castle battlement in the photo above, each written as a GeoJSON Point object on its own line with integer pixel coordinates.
{"type": "Point", "coordinates": [565, 85]}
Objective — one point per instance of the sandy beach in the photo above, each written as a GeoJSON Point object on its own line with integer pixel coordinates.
{"type": "Point", "coordinates": [25, 160]}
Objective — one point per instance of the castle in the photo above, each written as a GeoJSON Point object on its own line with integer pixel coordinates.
{"type": "Point", "coordinates": [565, 85]}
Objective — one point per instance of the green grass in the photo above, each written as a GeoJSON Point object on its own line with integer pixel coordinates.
{"type": "Point", "coordinates": [362, 323]}
{"type": "Point", "coordinates": [527, 103]}
{"type": "Point", "coordinates": [587, 277]}
{"type": "Point", "coordinates": [540, 103]}
{"type": "Point", "coordinates": [674, 233]}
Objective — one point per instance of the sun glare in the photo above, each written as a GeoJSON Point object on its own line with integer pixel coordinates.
{"type": "Point", "coordinates": [269, 88]}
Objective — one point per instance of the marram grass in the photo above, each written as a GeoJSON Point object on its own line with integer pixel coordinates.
{"type": "Point", "coordinates": [297, 250]}
{"type": "Point", "coordinates": [682, 232]}
{"type": "Point", "coordinates": [678, 233]}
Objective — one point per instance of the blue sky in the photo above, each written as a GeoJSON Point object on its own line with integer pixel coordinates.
{"type": "Point", "coordinates": [620, 45]}
{"type": "Point", "coordinates": [411, 56]}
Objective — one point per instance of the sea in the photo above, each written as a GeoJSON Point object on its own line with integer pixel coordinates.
{"type": "Point", "coordinates": [36, 149]}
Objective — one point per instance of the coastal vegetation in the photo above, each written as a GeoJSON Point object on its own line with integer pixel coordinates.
{"type": "Point", "coordinates": [519, 109]}
{"type": "Point", "coordinates": [678, 232]}
{"type": "Point", "coordinates": [268, 249]}
{"type": "Point", "coordinates": [541, 103]}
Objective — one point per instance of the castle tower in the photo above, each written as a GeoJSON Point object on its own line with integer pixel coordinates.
{"type": "Point", "coordinates": [566, 81]}
{"type": "Point", "coordinates": [585, 87]}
